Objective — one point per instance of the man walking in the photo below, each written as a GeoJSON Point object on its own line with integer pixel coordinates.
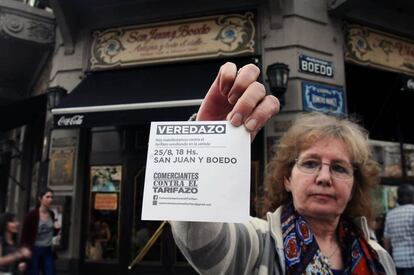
{"type": "Point", "coordinates": [399, 231]}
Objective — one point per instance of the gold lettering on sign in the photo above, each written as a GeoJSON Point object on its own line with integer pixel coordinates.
{"type": "Point", "coordinates": [374, 48]}
{"type": "Point", "coordinates": [207, 37]}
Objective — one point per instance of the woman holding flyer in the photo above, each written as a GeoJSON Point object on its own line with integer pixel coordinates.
{"type": "Point", "coordinates": [319, 182]}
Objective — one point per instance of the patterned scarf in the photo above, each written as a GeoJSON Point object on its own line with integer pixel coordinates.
{"type": "Point", "coordinates": [303, 256]}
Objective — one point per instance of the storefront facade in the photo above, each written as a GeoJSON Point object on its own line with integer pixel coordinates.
{"type": "Point", "coordinates": [27, 37]}
{"type": "Point", "coordinates": [127, 64]}
{"type": "Point", "coordinates": [133, 75]}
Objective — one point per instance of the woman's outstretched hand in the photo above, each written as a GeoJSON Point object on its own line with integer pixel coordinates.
{"type": "Point", "coordinates": [236, 96]}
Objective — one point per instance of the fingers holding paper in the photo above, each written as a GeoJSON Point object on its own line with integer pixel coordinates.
{"type": "Point", "coordinates": [235, 95]}
{"type": "Point", "coordinates": [253, 110]}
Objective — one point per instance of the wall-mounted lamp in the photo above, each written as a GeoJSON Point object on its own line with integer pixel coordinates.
{"type": "Point", "coordinates": [54, 95]}
{"type": "Point", "coordinates": [406, 83]}
{"type": "Point", "coordinates": [278, 75]}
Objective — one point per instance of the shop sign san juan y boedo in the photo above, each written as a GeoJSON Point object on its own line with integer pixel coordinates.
{"type": "Point", "coordinates": [323, 98]}
{"type": "Point", "coordinates": [316, 66]}
{"type": "Point", "coordinates": [374, 48]}
{"type": "Point", "coordinates": [218, 36]}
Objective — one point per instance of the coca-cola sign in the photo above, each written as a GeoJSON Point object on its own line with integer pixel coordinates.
{"type": "Point", "coordinates": [75, 120]}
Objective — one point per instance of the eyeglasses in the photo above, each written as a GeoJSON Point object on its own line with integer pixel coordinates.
{"type": "Point", "coordinates": [338, 169]}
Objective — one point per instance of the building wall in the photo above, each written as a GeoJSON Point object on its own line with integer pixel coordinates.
{"type": "Point", "coordinates": [75, 192]}
{"type": "Point", "coordinates": [286, 29]}
{"type": "Point", "coordinates": [66, 69]}
{"type": "Point", "coordinates": [299, 27]}
{"type": "Point", "coordinates": [306, 29]}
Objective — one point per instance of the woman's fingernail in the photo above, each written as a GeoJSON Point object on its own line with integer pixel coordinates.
{"type": "Point", "coordinates": [236, 119]}
{"type": "Point", "coordinates": [233, 99]}
{"type": "Point", "coordinates": [251, 124]}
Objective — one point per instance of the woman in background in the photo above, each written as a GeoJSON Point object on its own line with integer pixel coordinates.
{"type": "Point", "coordinates": [39, 228]}
{"type": "Point", "coordinates": [10, 255]}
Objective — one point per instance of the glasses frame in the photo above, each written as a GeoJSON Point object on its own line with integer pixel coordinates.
{"type": "Point", "coordinates": [334, 175]}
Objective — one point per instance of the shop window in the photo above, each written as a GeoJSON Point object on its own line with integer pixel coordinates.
{"type": "Point", "coordinates": [388, 156]}
{"type": "Point", "coordinates": [396, 166]}
{"type": "Point", "coordinates": [102, 243]}
{"type": "Point", "coordinates": [142, 231]}
{"type": "Point", "coordinates": [179, 257]}
{"type": "Point", "coordinates": [396, 160]}
{"type": "Point", "coordinates": [409, 159]}
{"type": "Point", "coordinates": [105, 139]}
{"type": "Point", "coordinates": [141, 137]}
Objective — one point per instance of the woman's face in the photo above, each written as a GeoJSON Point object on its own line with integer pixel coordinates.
{"type": "Point", "coordinates": [13, 226]}
{"type": "Point", "coordinates": [321, 195]}
{"type": "Point", "coordinates": [46, 199]}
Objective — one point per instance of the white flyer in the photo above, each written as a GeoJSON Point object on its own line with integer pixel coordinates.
{"type": "Point", "coordinates": [197, 171]}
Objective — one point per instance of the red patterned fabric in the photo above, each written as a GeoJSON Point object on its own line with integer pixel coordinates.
{"type": "Point", "coordinates": [302, 253]}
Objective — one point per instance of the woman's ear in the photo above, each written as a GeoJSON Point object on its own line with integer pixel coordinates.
{"type": "Point", "coordinates": [286, 183]}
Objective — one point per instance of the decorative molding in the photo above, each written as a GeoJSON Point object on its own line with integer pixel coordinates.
{"type": "Point", "coordinates": [276, 14]}
{"type": "Point", "coordinates": [19, 27]}
{"type": "Point", "coordinates": [333, 4]}
{"type": "Point", "coordinates": [66, 30]}
{"type": "Point", "coordinates": [371, 47]}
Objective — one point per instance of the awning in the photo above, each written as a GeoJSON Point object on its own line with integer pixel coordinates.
{"type": "Point", "coordinates": [22, 112]}
{"type": "Point", "coordinates": [135, 96]}
{"type": "Point", "coordinates": [391, 16]}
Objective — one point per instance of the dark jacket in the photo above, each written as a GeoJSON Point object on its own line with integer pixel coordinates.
{"type": "Point", "coordinates": [30, 226]}
{"type": "Point", "coordinates": [5, 250]}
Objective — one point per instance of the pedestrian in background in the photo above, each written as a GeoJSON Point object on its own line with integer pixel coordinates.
{"type": "Point", "coordinates": [11, 257]}
{"type": "Point", "coordinates": [39, 228]}
{"type": "Point", "coordinates": [399, 231]}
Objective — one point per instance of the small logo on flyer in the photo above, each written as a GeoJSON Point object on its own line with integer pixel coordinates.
{"type": "Point", "coordinates": [178, 129]}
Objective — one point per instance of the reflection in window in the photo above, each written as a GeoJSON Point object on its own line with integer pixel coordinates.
{"type": "Point", "coordinates": [103, 225]}
{"type": "Point", "coordinates": [388, 155]}
{"type": "Point", "coordinates": [143, 230]}
{"type": "Point", "coordinates": [98, 246]}
{"type": "Point", "coordinates": [409, 159]}
{"type": "Point", "coordinates": [179, 257]}
{"type": "Point", "coordinates": [106, 139]}
{"type": "Point", "coordinates": [105, 178]}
